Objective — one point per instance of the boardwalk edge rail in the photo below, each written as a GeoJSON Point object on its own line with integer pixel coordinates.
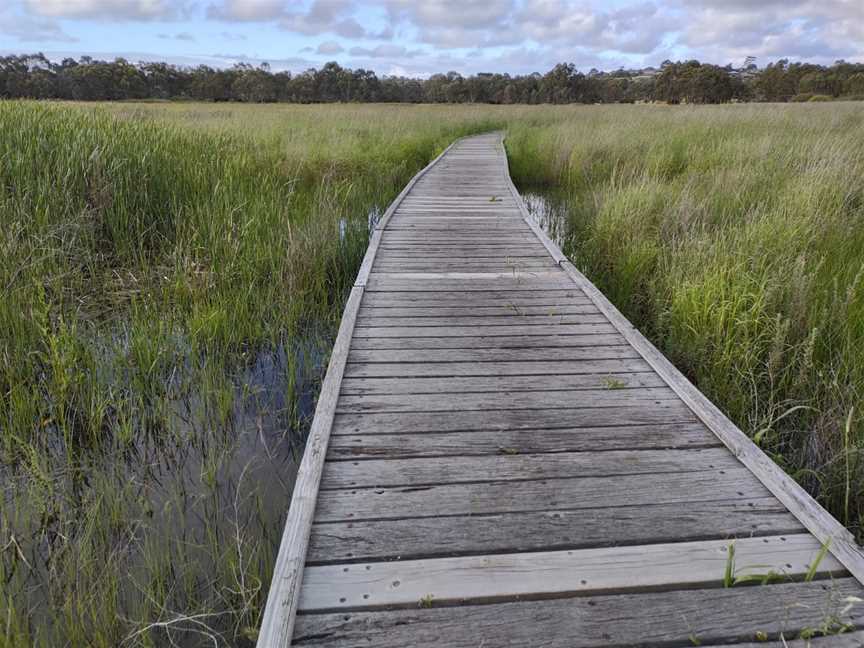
{"type": "Point", "coordinates": [824, 526]}
{"type": "Point", "coordinates": [277, 624]}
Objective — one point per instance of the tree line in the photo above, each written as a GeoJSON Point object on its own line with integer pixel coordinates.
{"type": "Point", "coordinates": [35, 76]}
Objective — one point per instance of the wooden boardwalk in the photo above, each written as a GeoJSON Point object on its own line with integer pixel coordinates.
{"type": "Point", "coordinates": [499, 459]}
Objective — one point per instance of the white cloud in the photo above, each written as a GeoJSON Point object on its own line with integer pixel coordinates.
{"type": "Point", "coordinates": [457, 23]}
{"type": "Point", "coordinates": [26, 28]}
{"type": "Point", "coordinates": [182, 36]}
{"type": "Point", "coordinates": [247, 10]}
{"type": "Point", "coordinates": [385, 51]}
{"type": "Point", "coordinates": [329, 47]}
{"type": "Point", "coordinates": [816, 30]}
{"type": "Point", "coordinates": [109, 9]}
{"type": "Point", "coordinates": [470, 14]}
{"type": "Point", "coordinates": [322, 16]}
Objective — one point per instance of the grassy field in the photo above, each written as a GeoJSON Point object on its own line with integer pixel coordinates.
{"type": "Point", "coordinates": [172, 277]}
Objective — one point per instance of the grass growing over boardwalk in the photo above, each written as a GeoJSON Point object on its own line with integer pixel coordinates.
{"type": "Point", "coordinates": [171, 278]}
{"type": "Point", "coordinates": [734, 237]}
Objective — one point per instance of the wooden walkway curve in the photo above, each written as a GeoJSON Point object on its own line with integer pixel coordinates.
{"type": "Point", "coordinates": [499, 459]}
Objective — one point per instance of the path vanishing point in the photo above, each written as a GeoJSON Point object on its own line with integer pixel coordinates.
{"type": "Point", "coordinates": [498, 458]}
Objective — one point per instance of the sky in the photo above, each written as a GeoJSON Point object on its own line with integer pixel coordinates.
{"type": "Point", "coordinates": [421, 37]}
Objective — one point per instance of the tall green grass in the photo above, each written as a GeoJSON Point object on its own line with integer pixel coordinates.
{"type": "Point", "coordinates": [734, 237]}
{"type": "Point", "coordinates": [171, 280]}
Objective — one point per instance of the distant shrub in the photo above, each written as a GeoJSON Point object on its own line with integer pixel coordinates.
{"type": "Point", "coordinates": [820, 97]}
{"type": "Point", "coordinates": [802, 96]}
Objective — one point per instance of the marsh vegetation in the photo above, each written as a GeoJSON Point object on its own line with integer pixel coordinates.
{"type": "Point", "coordinates": [733, 236]}
{"type": "Point", "coordinates": [172, 277]}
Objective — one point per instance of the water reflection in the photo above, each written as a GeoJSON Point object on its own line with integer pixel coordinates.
{"type": "Point", "coordinates": [548, 210]}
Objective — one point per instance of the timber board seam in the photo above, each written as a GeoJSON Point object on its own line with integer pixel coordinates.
{"type": "Point", "coordinates": [824, 526]}
{"type": "Point", "coordinates": [277, 623]}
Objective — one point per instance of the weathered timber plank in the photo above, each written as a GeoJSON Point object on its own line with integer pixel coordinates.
{"type": "Point", "coordinates": [474, 311]}
{"type": "Point", "coordinates": [482, 442]}
{"type": "Point", "coordinates": [475, 368]}
{"type": "Point", "coordinates": [465, 300]}
{"type": "Point", "coordinates": [458, 200]}
{"type": "Point", "coordinates": [536, 355]}
{"type": "Point", "coordinates": [427, 263]}
{"type": "Point", "coordinates": [460, 265]}
{"type": "Point", "coordinates": [451, 242]}
{"type": "Point", "coordinates": [457, 321]}
{"type": "Point", "coordinates": [493, 279]}
{"type": "Point", "coordinates": [498, 576]}
{"type": "Point", "coordinates": [390, 283]}
{"type": "Point", "coordinates": [676, 618]}
{"type": "Point", "coordinates": [480, 330]}
{"type": "Point", "coordinates": [389, 386]}
{"type": "Point", "coordinates": [512, 419]}
{"type": "Point", "coordinates": [470, 217]}
{"type": "Point", "coordinates": [459, 236]}
{"type": "Point", "coordinates": [501, 401]}
{"type": "Point", "coordinates": [540, 495]}
{"type": "Point", "coordinates": [497, 342]}
{"type": "Point", "coordinates": [421, 249]}
{"type": "Point", "coordinates": [496, 296]}
{"type": "Point", "coordinates": [449, 201]}
{"type": "Point", "coordinates": [504, 467]}
{"type": "Point", "coordinates": [413, 538]}
{"type": "Point", "coordinates": [397, 253]}
{"type": "Point", "coordinates": [463, 220]}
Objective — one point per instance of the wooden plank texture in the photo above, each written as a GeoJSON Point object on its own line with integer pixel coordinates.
{"type": "Point", "coordinates": [677, 618]}
{"type": "Point", "coordinates": [384, 503]}
{"type": "Point", "coordinates": [663, 412]}
{"type": "Point", "coordinates": [451, 384]}
{"type": "Point", "coordinates": [511, 467]}
{"type": "Point", "coordinates": [567, 366]}
{"type": "Point", "coordinates": [503, 400]}
{"type": "Point", "coordinates": [495, 342]}
{"type": "Point", "coordinates": [443, 444]}
{"type": "Point", "coordinates": [503, 576]}
{"type": "Point", "coordinates": [409, 537]}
